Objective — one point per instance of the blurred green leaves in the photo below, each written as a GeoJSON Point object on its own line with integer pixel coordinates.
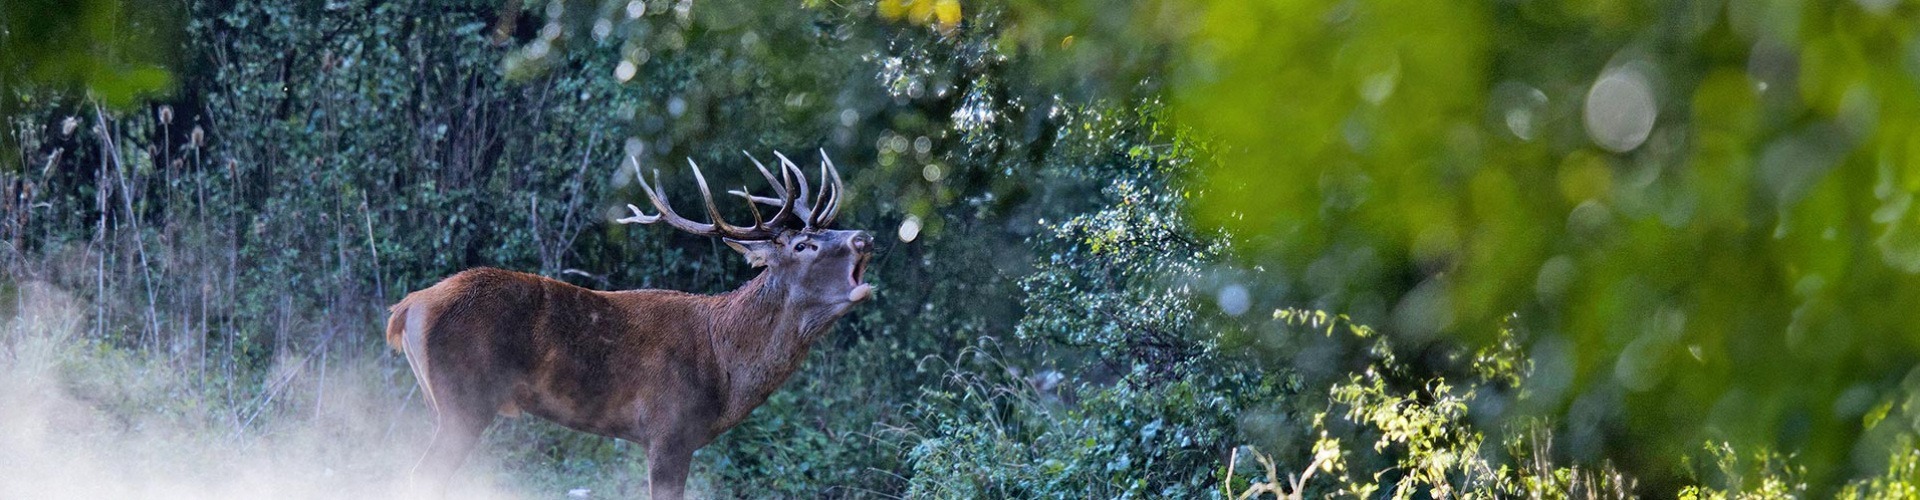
{"type": "Point", "coordinates": [115, 51]}
{"type": "Point", "coordinates": [1703, 210]}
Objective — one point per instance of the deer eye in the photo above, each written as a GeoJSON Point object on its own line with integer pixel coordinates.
{"type": "Point", "coordinates": [802, 246]}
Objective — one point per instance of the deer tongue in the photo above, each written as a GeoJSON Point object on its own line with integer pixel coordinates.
{"type": "Point", "coordinates": [860, 293]}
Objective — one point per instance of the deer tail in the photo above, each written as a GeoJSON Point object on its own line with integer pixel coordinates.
{"type": "Point", "coordinates": [397, 324]}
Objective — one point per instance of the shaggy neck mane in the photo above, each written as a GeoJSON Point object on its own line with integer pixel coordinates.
{"type": "Point", "coordinates": [762, 332]}
{"type": "Point", "coordinates": [765, 306]}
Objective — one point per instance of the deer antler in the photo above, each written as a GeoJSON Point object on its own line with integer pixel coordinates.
{"type": "Point", "coordinates": [790, 215]}
{"type": "Point", "coordinates": [839, 187]}
{"type": "Point", "coordinates": [806, 192]}
{"type": "Point", "coordinates": [760, 230]}
{"type": "Point", "coordinates": [814, 211]}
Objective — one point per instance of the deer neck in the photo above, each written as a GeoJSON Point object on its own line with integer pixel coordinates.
{"type": "Point", "coordinates": [763, 335]}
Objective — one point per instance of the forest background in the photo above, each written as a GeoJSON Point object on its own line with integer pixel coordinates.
{"type": "Point", "coordinates": [1168, 248]}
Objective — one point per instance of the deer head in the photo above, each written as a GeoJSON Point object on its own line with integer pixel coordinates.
{"type": "Point", "coordinates": [803, 259]}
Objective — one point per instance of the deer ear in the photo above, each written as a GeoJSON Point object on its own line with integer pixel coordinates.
{"type": "Point", "coordinates": [756, 251]}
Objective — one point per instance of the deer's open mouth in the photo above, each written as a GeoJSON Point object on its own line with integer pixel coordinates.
{"type": "Point", "coordinates": [861, 291]}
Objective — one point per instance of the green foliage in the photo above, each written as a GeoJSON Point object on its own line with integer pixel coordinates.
{"type": "Point", "coordinates": [1392, 430]}
{"type": "Point", "coordinates": [1900, 480]}
{"type": "Point", "coordinates": [1691, 204]}
{"type": "Point", "coordinates": [993, 430]}
{"type": "Point", "coordinates": [831, 431]}
{"type": "Point", "coordinates": [113, 51]}
{"type": "Point", "coordinates": [1764, 475]}
{"type": "Point", "coordinates": [1771, 475]}
{"type": "Point", "coordinates": [1118, 282]}
{"type": "Point", "coordinates": [1130, 395]}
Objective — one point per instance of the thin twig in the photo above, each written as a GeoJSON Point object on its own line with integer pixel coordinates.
{"type": "Point", "coordinates": [139, 237]}
{"type": "Point", "coordinates": [379, 285]}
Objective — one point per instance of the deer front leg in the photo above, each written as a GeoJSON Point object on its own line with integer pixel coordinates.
{"type": "Point", "coordinates": [668, 460]}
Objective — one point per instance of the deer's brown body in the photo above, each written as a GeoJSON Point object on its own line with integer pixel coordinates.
{"type": "Point", "coordinates": [666, 369]}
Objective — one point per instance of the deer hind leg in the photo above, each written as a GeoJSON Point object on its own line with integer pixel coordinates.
{"type": "Point", "coordinates": [413, 343]}
{"type": "Point", "coordinates": [461, 415]}
{"type": "Point", "coordinates": [464, 405]}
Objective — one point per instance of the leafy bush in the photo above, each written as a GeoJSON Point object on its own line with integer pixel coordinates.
{"type": "Point", "coordinates": [1393, 430]}
{"type": "Point", "coordinates": [992, 432]}
{"type": "Point", "coordinates": [1118, 386]}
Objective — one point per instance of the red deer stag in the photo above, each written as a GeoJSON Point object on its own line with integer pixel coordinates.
{"type": "Point", "coordinates": [665, 369]}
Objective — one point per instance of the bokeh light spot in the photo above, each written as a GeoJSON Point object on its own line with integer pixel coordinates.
{"type": "Point", "coordinates": [1620, 109]}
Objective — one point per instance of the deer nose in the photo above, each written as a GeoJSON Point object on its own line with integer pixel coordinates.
{"type": "Point", "coordinates": [862, 242]}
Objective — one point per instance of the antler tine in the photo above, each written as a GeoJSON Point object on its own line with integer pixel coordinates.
{"type": "Point", "coordinates": [713, 212]}
{"type": "Point", "coordinates": [779, 189]}
{"type": "Point", "coordinates": [638, 217]}
{"type": "Point", "coordinates": [659, 200]}
{"type": "Point", "coordinates": [822, 203]}
{"type": "Point", "coordinates": [743, 193]}
{"type": "Point", "coordinates": [839, 188]}
{"type": "Point", "coordinates": [806, 192]}
{"type": "Point", "coordinates": [758, 223]}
